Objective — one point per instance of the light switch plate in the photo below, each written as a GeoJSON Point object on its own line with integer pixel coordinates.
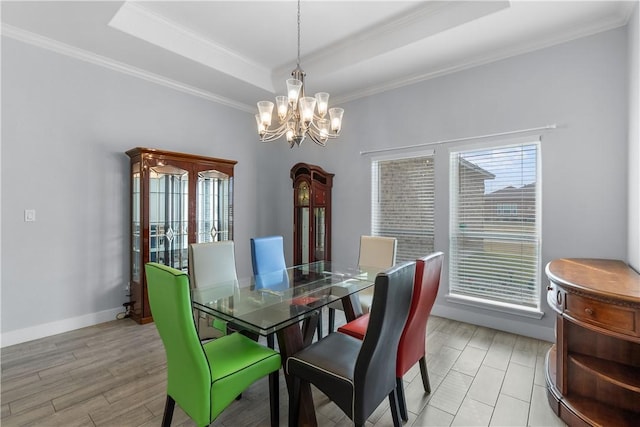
{"type": "Point", "coordinates": [29, 215]}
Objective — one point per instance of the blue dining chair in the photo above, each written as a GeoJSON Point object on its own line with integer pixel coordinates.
{"type": "Point", "coordinates": [267, 260]}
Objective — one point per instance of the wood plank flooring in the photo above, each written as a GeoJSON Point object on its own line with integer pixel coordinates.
{"type": "Point", "coordinates": [113, 374]}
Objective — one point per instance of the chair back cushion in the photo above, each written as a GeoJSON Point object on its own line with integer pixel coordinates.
{"type": "Point", "coordinates": [188, 376]}
{"type": "Point", "coordinates": [267, 254]}
{"type": "Point", "coordinates": [212, 263]}
{"type": "Point", "coordinates": [374, 375]}
{"type": "Point", "coordinates": [377, 251]}
{"type": "Point", "coordinates": [269, 266]}
{"type": "Point", "coordinates": [425, 290]}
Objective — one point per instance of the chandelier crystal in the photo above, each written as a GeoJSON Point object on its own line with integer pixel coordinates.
{"type": "Point", "coordinates": [299, 116]}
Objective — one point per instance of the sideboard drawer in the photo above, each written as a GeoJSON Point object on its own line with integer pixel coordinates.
{"type": "Point", "coordinates": [614, 317]}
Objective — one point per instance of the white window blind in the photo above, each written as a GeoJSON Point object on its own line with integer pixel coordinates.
{"type": "Point", "coordinates": [403, 203]}
{"type": "Point", "coordinates": [494, 248]}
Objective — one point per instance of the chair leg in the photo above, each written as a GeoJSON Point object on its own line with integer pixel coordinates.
{"type": "Point", "coordinates": [332, 319]}
{"type": "Point", "coordinates": [294, 402]}
{"type": "Point", "coordinates": [319, 327]}
{"type": "Point", "coordinates": [274, 397]}
{"type": "Point", "coordinates": [270, 342]}
{"type": "Point", "coordinates": [425, 375]}
{"type": "Point", "coordinates": [393, 402]}
{"type": "Point", "coordinates": [168, 411]}
{"type": "Point", "coordinates": [402, 403]}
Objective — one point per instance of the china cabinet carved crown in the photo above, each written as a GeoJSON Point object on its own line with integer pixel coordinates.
{"type": "Point", "coordinates": [311, 213]}
{"type": "Point", "coordinates": [176, 199]}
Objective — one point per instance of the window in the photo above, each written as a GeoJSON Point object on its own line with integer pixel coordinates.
{"type": "Point", "coordinates": [494, 248]}
{"type": "Point", "coordinates": [403, 203]}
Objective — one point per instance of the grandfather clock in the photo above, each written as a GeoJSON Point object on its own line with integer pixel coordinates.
{"type": "Point", "coordinates": [311, 213]}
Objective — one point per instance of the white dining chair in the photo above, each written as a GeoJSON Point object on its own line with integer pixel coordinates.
{"type": "Point", "coordinates": [376, 253]}
{"type": "Point", "coordinates": [211, 263]}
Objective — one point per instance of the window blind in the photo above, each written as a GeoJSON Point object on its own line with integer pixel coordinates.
{"type": "Point", "coordinates": [403, 203]}
{"type": "Point", "coordinates": [494, 220]}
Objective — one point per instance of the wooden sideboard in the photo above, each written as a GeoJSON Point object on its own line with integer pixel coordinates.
{"type": "Point", "coordinates": [593, 370]}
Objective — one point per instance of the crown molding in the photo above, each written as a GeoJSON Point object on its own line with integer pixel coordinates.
{"type": "Point", "coordinates": [421, 22]}
{"type": "Point", "coordinates": [140, 22]}
{"type": "Point", "coordinates": [102, 61]}
{"type": "Point", "coordinates": [601, 26]}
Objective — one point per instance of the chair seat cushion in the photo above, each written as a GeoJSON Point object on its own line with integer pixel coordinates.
{"type": "Point", "coordinates": [329, 364]}
{"type": "Point", "coordinates": [356, 328]}
{"type": "Point", "coordinates": [236, 362]}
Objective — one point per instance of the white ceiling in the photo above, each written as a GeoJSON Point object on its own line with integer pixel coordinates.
{"type": "Point", "coordinates": [240, 52]}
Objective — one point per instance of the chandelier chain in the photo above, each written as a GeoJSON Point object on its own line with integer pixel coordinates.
{"type": "Point", "coordinates": [298, 60]}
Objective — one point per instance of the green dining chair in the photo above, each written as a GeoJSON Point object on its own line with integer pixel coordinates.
{"type": "Point", "coordinates": [203, 378]}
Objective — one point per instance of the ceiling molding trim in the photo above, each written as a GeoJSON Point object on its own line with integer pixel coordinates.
{"type": "Point", "coordinates": [416, 24]}
{"type": "Point", "coordinates": [627, 10]}
{"type": "Point", "coordinates": [92, 58]}
{"type": "Point", "coordinates": [139, 22]}
{"type": "Point", "coordinates": [601, 26]}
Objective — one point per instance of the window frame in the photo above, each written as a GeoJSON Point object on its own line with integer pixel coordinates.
{"type": "Point", "coordinates": [408, 155]}
{"type": "Point", "coordinates": [473, 301]}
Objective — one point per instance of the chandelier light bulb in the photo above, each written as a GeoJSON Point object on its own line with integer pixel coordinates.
{"type": "Point", "coordinates": [307, 106]}
{"type": "Point", "coordinates": [293, 90]}
{"type": "Point", "coordinates": [282, 105]}
{"type": "Point", "coordinates": [265, 109]}
{"type": "Point", "coordinates": [323, 128]}
{"type": "Point", "coordinates": [336, 118]}
{"type": "Point", "coordinates": [261, 127]}
{"type": "Point", "coordinates": [322, 100]}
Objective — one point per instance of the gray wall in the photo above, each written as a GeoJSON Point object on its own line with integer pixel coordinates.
{"type": "Point", "coordinates": [580, 85]}
{"type": "Point", "coordinates": [67, 123]}
{"type": "Point", "coordinates": [65, 127]}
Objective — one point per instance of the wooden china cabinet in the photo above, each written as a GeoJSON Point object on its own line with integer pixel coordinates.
{"type": "Point", "coordinates": [176, 199]}
{"type": "Point", "coordinates": [311, 213]}
{"type": "Point", "coordinates": [593, 370]}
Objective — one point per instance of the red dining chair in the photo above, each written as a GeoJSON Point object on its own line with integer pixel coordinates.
{"type": "Point", "coordinates": [412, 345]}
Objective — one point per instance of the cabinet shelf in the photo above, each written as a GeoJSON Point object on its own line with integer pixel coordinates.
{"type": "Point", "coordinates": [596, 413]}
{"type": "Point", "coordinates": [618, 374]}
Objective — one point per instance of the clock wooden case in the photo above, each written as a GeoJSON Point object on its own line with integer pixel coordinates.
{"type": "Point", "coordinates": [311, 213]}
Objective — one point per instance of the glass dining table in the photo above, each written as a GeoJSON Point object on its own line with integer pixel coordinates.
{"type": "Point", "coordinates": [286, 303]}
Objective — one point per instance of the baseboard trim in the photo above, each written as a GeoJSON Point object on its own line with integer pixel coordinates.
{"type": "Point", "coordinates": [527, 327]}
{"type": "Point", "coordinates": [53, 328]}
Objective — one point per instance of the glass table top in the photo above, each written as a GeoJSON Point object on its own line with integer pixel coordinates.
{"type": "Point", "coordinates": [266, 303]}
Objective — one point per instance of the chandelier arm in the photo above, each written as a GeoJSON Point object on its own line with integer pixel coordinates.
{"type": "Point", "coordinates": [314, 128]}
{"type": "Point", "coordinates": [279, 130]}
{"type": "Point", "coordinates": [315, 139]}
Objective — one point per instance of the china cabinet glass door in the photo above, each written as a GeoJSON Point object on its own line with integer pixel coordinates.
{"type": "Point", "coordinates": [168, 216]}
{"type": "Point", "coordinates": [215, 216]}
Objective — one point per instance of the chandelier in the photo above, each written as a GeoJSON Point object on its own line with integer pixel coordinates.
{"type": "Point", "coordinates": [299, 116]}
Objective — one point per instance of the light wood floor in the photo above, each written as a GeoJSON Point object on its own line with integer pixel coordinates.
{"type": "Point", "coordinates": [113, 374]}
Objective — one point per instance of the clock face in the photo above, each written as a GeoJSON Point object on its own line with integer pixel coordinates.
{"type": "Point", "coordinates": [303, 193]}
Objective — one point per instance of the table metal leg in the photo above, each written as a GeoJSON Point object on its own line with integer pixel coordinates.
{"type": "Point", "coordinates": [352, 307]}
{"type": "Point", "coordinates": [291, 340]}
